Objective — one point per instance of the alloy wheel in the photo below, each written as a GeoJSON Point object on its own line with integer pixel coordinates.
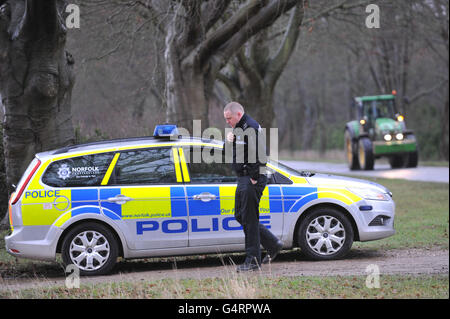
{"type": "Point", "coordinates": [89, 250]}
{"type": "Point", "coordinates": [325, 235]}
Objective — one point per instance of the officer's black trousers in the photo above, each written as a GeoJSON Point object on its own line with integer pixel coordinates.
{"type": "Point", "coordinates": [247, 214]}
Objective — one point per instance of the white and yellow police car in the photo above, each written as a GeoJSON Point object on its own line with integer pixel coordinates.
{"type": "Point", "coordinates": [146, 197]}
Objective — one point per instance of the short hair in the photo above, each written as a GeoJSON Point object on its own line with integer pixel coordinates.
{"type": "Point", "coordinates": [234, 107]}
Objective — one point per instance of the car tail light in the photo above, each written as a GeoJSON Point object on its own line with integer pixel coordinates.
{"type": "Point", "coordinates": [10, 214]}
{"type": "Point", "coordinates": [24, 183]}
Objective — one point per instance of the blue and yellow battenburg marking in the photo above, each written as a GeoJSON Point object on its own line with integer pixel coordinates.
{"type": "Point", "coordinates": [223, 204]}
{"type": "Point", "coordinates": [297, 197]}
{"type": "Point", "coordinates": [148, 202]}
{"type": "Point", "coordinates": [46, 207]}
{"type": "Point", "coordinates": [49, 206]}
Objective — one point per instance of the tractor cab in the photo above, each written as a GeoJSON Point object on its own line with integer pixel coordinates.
{"type": "Point", "coordinates": [378, 109]}
{"type": "Point", "coordinates": [378, 116]}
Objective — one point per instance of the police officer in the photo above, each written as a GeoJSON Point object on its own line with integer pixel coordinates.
{"type": "Point", "coordinates": [249, 160]}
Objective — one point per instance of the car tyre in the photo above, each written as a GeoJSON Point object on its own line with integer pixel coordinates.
{"type": "Point", "coordinates": [325, 234]}
{"type": "Point", "coordinates": [91, 247]}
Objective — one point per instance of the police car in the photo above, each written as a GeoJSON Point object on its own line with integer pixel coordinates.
{"type": "Point", "coordinates": [148, 197]}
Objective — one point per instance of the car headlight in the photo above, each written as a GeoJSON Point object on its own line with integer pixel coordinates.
{"type": "Point", "coordinates": [388, 137]}
{"type": "Point", "coordinates": [370, 194]}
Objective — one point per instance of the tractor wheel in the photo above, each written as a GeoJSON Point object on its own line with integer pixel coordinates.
{"type": "Point", "coordinates": [397, 161]}
{"type": "Point", "coordinates": [351, 151]}
{"type": "Point", "coordinates": [365, 154]}
{"type": "Point", "coordinates": [412, 159]}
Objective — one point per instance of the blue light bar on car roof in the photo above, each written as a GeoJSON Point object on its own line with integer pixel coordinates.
{"type": "Point", "coordinates": [165, 130]}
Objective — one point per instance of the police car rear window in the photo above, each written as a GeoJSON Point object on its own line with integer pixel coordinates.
{"type": "Point", "coordinates": [78, 171]}
{"type": "Point", "coordinates": [207, 166]}
{"type": "Point", "coordinates": [150, 166]}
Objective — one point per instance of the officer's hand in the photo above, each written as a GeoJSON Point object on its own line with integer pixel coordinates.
{"type": "Point", "coordinates": [253, 181]}
{"type": "Point", "coordinates": [230, 137]}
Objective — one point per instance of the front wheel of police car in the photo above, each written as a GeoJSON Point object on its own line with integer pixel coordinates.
{"type": "Point", "coordinates": [325, 234]}
{"type": "Point", "coordinates": [91, 247]}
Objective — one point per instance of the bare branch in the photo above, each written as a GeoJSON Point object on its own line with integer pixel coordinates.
{"type": "Point", "coordinates": [212, 11]}
{"type": "Point", "coordinates": [427, 91]}
{"type": "Point", "coordinates": [279, 61]}
{"type": "Point", "coordinates": [228, 29]}
{"type": "Point", "coordinates": [190, 35]}
{"type": "Point", "coordinates": [343, 5]}
{"type": "Point", "coordinates": [264, 18]}
{"type": "Point", "coordinates": [230, 81]}
{"type": "Point", "coordinates": [250, 70]}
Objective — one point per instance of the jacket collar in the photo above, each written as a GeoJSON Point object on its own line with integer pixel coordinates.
{"type": "Point", "coordinates": [242, 121]}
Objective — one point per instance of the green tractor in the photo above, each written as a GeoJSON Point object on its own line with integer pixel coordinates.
{"type": "Point", "coordinates": [379, 131]}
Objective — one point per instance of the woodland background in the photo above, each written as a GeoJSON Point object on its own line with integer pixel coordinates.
{"type": "Point", "coordinates": [141, 63]}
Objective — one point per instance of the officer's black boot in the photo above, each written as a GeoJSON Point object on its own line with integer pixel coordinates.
{"type": "Point", "coordinates": [250, 264]}
{"type": "Point", "coordinates": [272, 254]}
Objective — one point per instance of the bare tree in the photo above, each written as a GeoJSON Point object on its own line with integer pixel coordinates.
{"type": "Point", "coordinates": [201, 37]}
{"type": "Point", "coordinates": [254, 73]}
{"type": "Point", "coordinates": [251, 79]}
{"type": "Point", "coordinates": [36, 80]}
{"type": "Point", "coordinates": [435, 23]}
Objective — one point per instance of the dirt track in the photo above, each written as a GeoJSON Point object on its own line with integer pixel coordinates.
{"type": "Point", "coordinates": [291, 263]}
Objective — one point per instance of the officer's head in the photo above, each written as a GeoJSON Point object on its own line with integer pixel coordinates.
{"type": "Point", "coordinates": [233, 113]}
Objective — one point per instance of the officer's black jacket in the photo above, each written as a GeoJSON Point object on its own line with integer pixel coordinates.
{"type": "Point", "coordinates": [249, 149]}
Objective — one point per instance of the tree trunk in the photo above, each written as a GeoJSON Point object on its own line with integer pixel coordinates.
{"type": "Point", "coordinates": [3, 188]}
{"type": "Point", "coordinates": [443, 147]}
{"type": "Point", "coordinates": [36, 80]}
{"type": "Point", "coordinates": [186, 100]}
{"type": "Point", "coordinates": [185, 81]}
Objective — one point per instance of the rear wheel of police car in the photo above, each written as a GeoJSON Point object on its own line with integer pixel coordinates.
{"type": "Point", "coordinates": [91, 247]}
{"type": "Point", "coordinates": [325, 234]}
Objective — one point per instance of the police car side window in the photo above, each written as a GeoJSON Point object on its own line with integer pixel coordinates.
{"type": "Point", "coordinates": [273, 177]}
{"type": "Point", "coordinates": [209, 171]}
{"type": "Point", "coordinates": [280, 179]}
{"type": "Point", "coordinates": [150, 166]}
{"type": "Point", "coordinates": [78, 171]}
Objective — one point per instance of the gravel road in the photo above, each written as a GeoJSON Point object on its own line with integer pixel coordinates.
{"type": "Point", "coordinates": [290, 263]}
{"type": "Point", "coordinates": [420, 173]}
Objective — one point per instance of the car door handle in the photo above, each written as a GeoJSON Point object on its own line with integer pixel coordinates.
{"type": "Point", "coordinates": [204, 197]}
{"type": "Point", "coordinates": [119, 199]}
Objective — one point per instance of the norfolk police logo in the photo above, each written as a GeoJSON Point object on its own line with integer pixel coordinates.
{"type": "Point", "coordinates": [64, 171]}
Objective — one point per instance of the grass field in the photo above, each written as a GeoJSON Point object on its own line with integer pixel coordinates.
{"type": "Point", "coordinates": [253, 286]}
{"type": "Point", "coordinates": [422, 215]}
{"type": "Point", "coordinates": [422, 220]}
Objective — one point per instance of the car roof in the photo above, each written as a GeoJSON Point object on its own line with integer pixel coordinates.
{"type": "Point", "coordinates": [138, 142]}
